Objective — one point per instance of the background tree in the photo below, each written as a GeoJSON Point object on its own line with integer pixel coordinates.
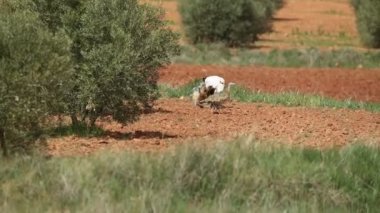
{"type": "Point", "coordinates": [368, 21]}
{"type": "Point", "coordinates": [234, 23]}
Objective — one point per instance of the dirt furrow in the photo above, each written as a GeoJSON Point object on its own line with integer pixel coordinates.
{"type": "Point", "coordinates": [178, 121]}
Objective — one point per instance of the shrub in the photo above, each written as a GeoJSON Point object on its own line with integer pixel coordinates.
{"type": "Point", "coordinates": [34, 66]}
{"type": "Point", "coordinates": [368, 21]}
{"type": "Point", "coordinates": [234, 23]}
{"type": "Point", "coordinates": [118, 47]}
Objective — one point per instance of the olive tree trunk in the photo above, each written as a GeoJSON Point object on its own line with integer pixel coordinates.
{"type": "Point", "coordinates": [2, 142]}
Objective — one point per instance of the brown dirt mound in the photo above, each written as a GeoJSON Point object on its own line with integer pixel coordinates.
{"type": "Point", "coordinates": [358, 84]}
{"type": "Point", "coordinates": [177, 121]}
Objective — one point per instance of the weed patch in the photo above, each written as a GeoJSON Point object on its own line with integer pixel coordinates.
{"type": "Point", "coordinates": [242, 94]}
{"type": "Point", "coordinates": [295, 58]}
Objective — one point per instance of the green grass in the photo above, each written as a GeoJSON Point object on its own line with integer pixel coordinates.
{"type": "Point", "coordinates": [321, 38]}
{"type": "Point", "coordinates": [309, 57]}
{"type": "Point", "coordinates": [236, 176]}
{"type": "Point", "coordinates": [81, 130]}
{"type": "Point", "coordinates": [242, 94]}
{"type": "Point", "coordinates": [168, 91]}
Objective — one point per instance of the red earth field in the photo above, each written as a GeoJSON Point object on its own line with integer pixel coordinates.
{"type": "Point", "coordinates": [178, 121]}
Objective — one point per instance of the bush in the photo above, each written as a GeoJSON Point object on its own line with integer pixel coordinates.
{"type": "Point", "coordinates": [118, 47]}
{"type": "Point", "coordinates": [34, 66]}
{"type": "Point", "coordinates": [368, 21]}
{"type": "Point", "coordinates": [234, 23]}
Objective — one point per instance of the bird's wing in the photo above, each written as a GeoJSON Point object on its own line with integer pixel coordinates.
{"type": "Point", "coordinates": [215, 82]}
{"type": "Point", "coordinates": [220, 87]}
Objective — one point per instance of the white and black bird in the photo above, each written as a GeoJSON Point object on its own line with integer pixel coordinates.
{"type": "Point", "coordinates": [214, 84]}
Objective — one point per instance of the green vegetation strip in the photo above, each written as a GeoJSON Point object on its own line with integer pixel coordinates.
{"type": "Point", "coordinates": [242, 94]}
{"type": "Point", "coordinates": [240, 176]}
{"type": "Point", "coordinates": [295, 58]}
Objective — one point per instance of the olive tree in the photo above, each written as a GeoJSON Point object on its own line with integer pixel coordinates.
{"type": "Point", "coordinates": [118, 47]}
{"type": "Point", "coordinates": [34, 66]}
{"type": "Point", "coordinates": [368, 21]}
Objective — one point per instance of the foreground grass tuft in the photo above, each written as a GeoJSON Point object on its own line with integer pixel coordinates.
{"type": "Point", "coordinates": [242, 94]}
{"type": "Point", "coordinates": [310, 57]}
{"type": "Point", "coordinates": [236, 176]}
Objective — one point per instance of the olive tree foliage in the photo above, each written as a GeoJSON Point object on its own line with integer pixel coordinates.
{"type": "Point", "coordinates": [368, 21]}
{"type": "Point", "coordinates": [118, 47]}
{"type": "Point", "coordinates": [34, 66]}
{"type": "Point", "coordinates": [234, 23]}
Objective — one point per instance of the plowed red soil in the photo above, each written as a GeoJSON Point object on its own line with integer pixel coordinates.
{"type": "Point", "coordinates": [177, 121]}
{"type": "Point", "coordinates": [357, 84]}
